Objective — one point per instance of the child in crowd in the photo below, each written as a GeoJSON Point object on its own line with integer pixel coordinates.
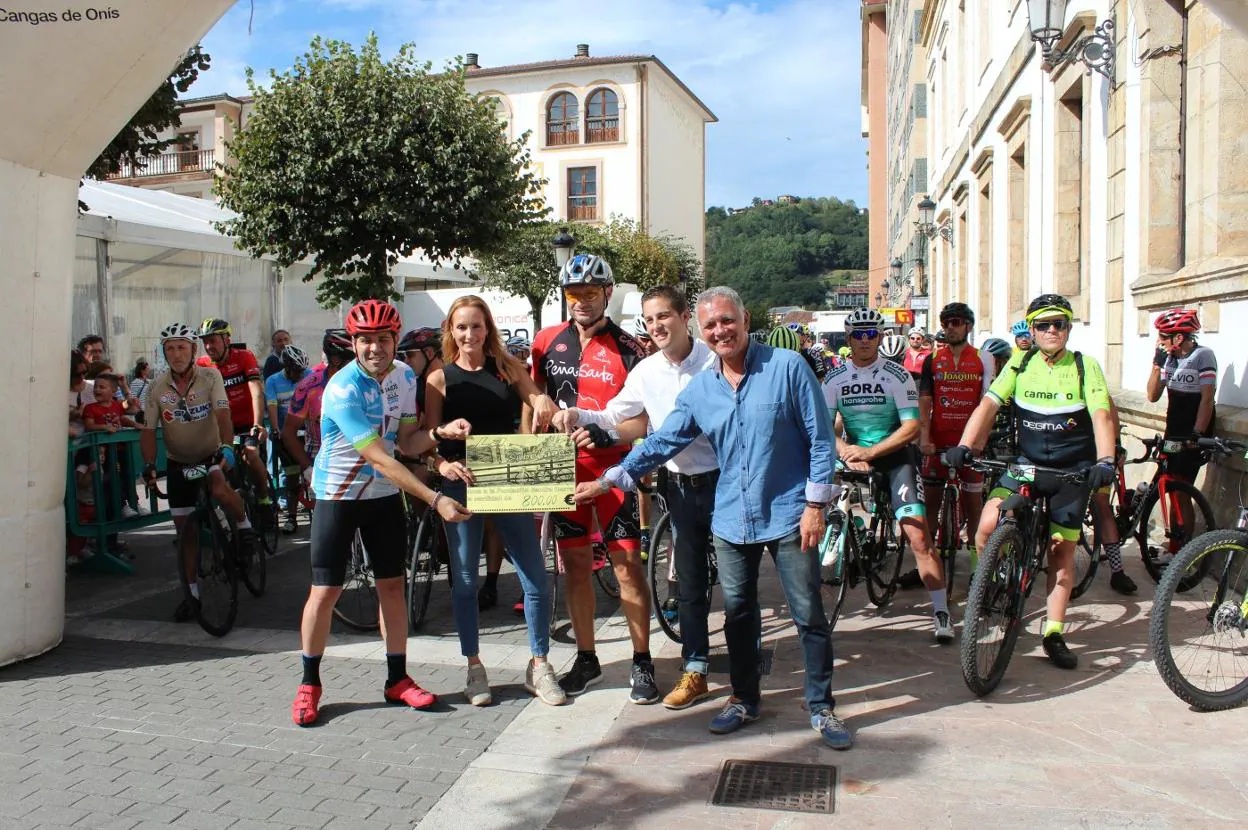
{"type": "Point", "coordinates": [107, 414]}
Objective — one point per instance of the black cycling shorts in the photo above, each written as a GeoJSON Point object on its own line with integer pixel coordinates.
{"type": "Point", "coordinates": [1067, 501]}
{"type": "Point", "coordinates": [905, 485]}
{"type": "Point", "coordinates": [383, 529]}
{"type": "Point", "coordinates": [182, 493]}
{"type": "Point", "coordinates": [1185, 464]}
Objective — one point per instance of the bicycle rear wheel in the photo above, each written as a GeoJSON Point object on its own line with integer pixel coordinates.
{"type": "Point", "coordinates": [550, 550]}
{"type": "Point", "coordinates": [1200, 640]}
{"type": "Point", "coordinates": [421, 567]}
{"type": "Point", "coordinates": [1087, 555]}
{"type": "Point", "coordinates": [203, 534]}
{"type": "Point", "coordinates": [358, 606]}
{"type": "Point", "coordinates": [1161, 536]}
{"type": "Point", "coordinates": [662, 574]}
{"type": "Point", "coordinates": [993, 617]}
{"type": "Point", "coordinates": [883, 563]}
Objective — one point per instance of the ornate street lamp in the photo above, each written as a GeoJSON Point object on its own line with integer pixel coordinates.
{"type": "Point", "coordinates": [1047, 19]}
{"type": "Point", "coordinates": [927, 222]}
{"type": "Point", "coordinates": [564, 244]}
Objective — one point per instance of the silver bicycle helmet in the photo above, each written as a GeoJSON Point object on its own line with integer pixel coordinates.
{"type": "Point", "coordinates": [586, 269]}
{"type": "Point", "coordinates": [294, 357]}
{"type": "Point", "coordinates": [178, 331]}
{"type": "Point", "coordinates": [864, 318]}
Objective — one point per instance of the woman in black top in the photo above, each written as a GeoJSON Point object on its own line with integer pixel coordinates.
{"type": "Point", "coordinates": [480, 382]}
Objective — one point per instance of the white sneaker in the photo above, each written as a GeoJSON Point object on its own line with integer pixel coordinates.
{"type": "Point", "coordinates": [944, 627]}
{"type": "Point", "coordinates": [539, 681]}
{"type": "Point", "coordinates": [128, 512]}
{"type": "Point", "coordinates": [477, 689]}
{"type": "Point", "coordinates": [144, 510]}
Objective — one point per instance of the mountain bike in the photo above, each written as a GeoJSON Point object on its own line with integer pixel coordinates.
{"type": "Point", "coordinates": [1016, 552]}
{"type": "Point", "coordinates": [1200, 640]}
{"type": "Point", "coordinates": [870, 554]}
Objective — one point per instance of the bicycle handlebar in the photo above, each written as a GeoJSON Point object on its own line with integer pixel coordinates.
{"type": "Point", "coordinates": [985, 465]}
{"type": "Point", "coordinates": [1221, 446]}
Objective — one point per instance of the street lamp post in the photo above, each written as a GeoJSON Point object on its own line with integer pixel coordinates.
{"type": "Point", "coordinates": [564, 244]}
{"type": "Point", "coordinates": [1047, 18]}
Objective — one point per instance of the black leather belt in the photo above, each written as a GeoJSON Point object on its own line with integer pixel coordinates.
{"type": "Point", "coordinates": [696, 480]}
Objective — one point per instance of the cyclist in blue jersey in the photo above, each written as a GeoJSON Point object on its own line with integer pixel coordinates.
{"type": "Point", "coordinates": [367, 408]}
{"type": "Point", "coordinates": [876, 402]}
{"type": "Point", "coordinates": [279, 389]}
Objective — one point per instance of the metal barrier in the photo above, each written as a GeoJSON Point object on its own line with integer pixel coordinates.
{"type": "Point", "coordinates": [109, 450]}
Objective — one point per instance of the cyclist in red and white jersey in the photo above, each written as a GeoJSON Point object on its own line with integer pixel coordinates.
{"type": "Point", "coordinates": [244, 386]}
{"type": "Point", "coordinates": [582, 363]}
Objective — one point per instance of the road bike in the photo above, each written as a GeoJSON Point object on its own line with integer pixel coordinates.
{"type": "Point", "coordinates": [870, 554]}
{"type": "Point", "coordinates": [263, 517]}
{"type": "Point", "coordinates": [661, 571]}
{"type": "Point", "coordinates": [948, 522]}
{"type": "Point", "coordinates": [1199, 640]}
{"type": "Point", "coordinates": [358, 605]}
{"type": "Point", "coordinates": [1016, 552]}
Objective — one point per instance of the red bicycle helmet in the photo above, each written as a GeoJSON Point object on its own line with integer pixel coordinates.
{"type": "Point", "coordinates": [1178, 321]}
{"type": "Point", "coordinates": [373, 317]}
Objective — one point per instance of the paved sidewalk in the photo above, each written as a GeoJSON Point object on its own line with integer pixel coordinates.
{"type": "Point", "coordinates": [138, 722]}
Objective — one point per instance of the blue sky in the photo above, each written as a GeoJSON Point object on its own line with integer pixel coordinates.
{"type": "Point", "coordinates": [783, 77]}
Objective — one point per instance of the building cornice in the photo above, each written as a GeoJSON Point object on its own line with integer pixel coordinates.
{"type": "Point", "coordinates": [1219, 279]}
{"type": "Point", "coordinates": [1016, 118]}
{"type": "Point", "coordinates": [932, 10]}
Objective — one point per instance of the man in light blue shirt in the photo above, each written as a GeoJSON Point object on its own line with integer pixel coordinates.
{"type": "Point", "coordinates": [764, 415]}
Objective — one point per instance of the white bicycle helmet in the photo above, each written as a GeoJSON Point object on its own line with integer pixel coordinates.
{"type": "Point", "coordinates": [586, 269]}
{"type": "Point", "coordinates": [893, 345]}
{"type": "Point", "coordinates": [294, 356]}
{"type": "Point", "coordinates": [864, 318]}
{"type": "Point", "coordinates": [639, 328]}
{"type": "Point", "coordinates": [178, 331]}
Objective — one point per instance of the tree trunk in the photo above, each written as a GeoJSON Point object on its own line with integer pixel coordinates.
{"type": "Point", "coordinates": [535, 305]}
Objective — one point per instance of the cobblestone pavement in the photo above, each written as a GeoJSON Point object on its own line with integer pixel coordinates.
{"type": "Point", "coordinates": [135, 721]}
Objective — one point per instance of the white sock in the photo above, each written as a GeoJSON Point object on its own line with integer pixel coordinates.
{"type": "Point", "coordinates": [245, 524]}
{"type": "Point", "coordinates": [939, 601]}
{"type": "Point", "coordinates": [195, 590]}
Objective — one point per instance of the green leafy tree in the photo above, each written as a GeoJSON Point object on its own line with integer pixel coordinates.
{"type": "Point", "coordinates": [524, 264]}
{"type": "Point", "coordinates": [354, 161]}
{"type": "Point", "coordinates": [139, 140]}
{"type": "Point", "coordinates": [785, 254]}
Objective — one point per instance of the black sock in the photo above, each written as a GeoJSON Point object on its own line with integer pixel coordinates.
{"type": "Point", "coordinates": [311, 670]}
{"type": "Point", "coordinates": [491, 580]}
{"type": "Point", "coordinates": [396, 668]}
{"type": "Point", "coordinates": [587, 655]}
{"type": "Point", "coordinates": [641, 656]}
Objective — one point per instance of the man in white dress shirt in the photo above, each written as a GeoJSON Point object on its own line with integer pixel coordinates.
{"type": "Point", "coordinates": [651, 389]}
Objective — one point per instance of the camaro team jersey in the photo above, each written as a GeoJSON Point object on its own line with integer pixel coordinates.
{"type": "Point", "coordinates": [305, 403]}
{"type": "Point", "coordinates": [1054, 415]}
{"type": "Point", "coordinates": [956, 385]}
{"type": "Point", "coordinates": [1184, 377]}
{"type": "Point", "coordinates": [872, 400]}
{"type": "Point", "coordinates": [237, 369]}
{"type": "Point", "coordinates": [585, 379]}
{"type": "Point", "coordinates": [355, 411]}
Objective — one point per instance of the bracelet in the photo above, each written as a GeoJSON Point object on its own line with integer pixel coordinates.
{"type": "Point", "coordinates": [433, 505]}
{"type": "Point", "coordinates": [814, 505]}
{"type": "Point", "coordinates": [433, 433]}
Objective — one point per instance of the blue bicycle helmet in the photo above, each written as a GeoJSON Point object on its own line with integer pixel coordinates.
{"type": "Point", "coordinates": [1020, 329]}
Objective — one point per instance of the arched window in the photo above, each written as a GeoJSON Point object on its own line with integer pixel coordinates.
{"type": "Point", "coordinates": [501, 111]}
{"type": "Point", "coordinates": [602, 116]}
{"type": "Point", "coordinates": [561, 120]}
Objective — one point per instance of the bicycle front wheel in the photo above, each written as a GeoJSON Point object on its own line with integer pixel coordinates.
{"type": "Point", "coordinates": [1200, 640]}
{"type": "Point", "coordinates": [1087, 556]}
{"type": "Point", "coordinates": [662, 573]}
{"type": "Point", "coordinates": [993, 617]}
{"type": "Point", "coordinates": [421, 568]}
{"type": "Point", "coordinates": [358, 606]}
{"type": "Point", "coordinates": [1164, 530]}
{"type": "Point", "coordinates": [947, 541]}
{"type": "Point", "coordinates": [604, 571]}
{"type": "Point", "coordinates": [263, 517]}
{"type": "Point", "coordinates": [884, 563]}
{"type": "Point", "coordinates": [550, 550]}
{"type": "Point", "coordinates": [204, 536]}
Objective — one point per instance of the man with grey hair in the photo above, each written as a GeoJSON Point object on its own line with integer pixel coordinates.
{"type": "Point", "coordinates": [765, 418]}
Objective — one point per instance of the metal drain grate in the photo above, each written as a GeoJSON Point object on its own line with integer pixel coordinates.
{"type": "Point", "coordinates": [718, 660]}
{"type": "Point", "coordinates": [772, 785]}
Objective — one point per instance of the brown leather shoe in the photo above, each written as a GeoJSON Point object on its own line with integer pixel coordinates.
{"type": "Point", "coordinates": [691, 688]}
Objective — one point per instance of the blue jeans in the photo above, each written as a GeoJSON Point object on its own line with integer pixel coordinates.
{"type": "Point", "coordinates": [690, 507]}
{"type": "Point", "coordinates": [520, 536]}
{"type": "Point", "coordinates": [799, 577]}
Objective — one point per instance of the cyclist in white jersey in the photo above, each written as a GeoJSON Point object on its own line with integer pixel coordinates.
{"type": "Point", "coordinates": [367, 408]}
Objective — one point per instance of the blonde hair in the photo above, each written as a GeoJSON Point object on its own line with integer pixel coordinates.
{"type": "Point", "coordinates": [508, 365]}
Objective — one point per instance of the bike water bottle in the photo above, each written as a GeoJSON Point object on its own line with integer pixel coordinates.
{"type": "Point", "coordinates": [828, 547]}
{"type": "Point", "coordinates": [1137, 495]}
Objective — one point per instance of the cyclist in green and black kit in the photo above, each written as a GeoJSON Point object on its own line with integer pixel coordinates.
{"type": "Point", "coordinates": [1064, 422]}
{"type": "Point", "coordinates": [877, 403]}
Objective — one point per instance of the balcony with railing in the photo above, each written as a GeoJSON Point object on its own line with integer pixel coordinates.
{"type": "Point", "coordinates": [599, 130]}
{"type": "Point", "coordinates": [167, 164]}
{"type": "Point", "coordinates": [582, 208]}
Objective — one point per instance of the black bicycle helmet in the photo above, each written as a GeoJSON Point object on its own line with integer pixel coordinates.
{"type": "Point", "coordinates": [1049, 302]}
{"type": "Point", "coordinates": [421, 338]}
{"type": "Point", "coordinates": [337, 343]}
{"type": "Point", "coordinates": [215, 325]}
{"type": "Point", "coordinates": [960, 310]}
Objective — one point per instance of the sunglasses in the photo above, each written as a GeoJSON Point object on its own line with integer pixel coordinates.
{"type": "Point", "coordinates": [865, 334]}
{"type": "Point", "coordinates": [1056, 325]}
{"type": "Point", "coordinates": [953, 321]}
{"type": "Point", "coordinates": [580, 295]}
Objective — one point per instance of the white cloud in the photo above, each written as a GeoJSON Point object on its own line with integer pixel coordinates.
{"type": "Point", "coordinates": [783, 78]}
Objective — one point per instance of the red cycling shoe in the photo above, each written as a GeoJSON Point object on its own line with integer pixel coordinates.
{"type": "Point", "coordinates": [406, 692]}
{"type": "Point", "coordinates": [306, 707]}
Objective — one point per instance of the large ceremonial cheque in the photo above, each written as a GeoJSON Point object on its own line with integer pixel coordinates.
{"type": "Point", "coordinates": [521, 473]}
